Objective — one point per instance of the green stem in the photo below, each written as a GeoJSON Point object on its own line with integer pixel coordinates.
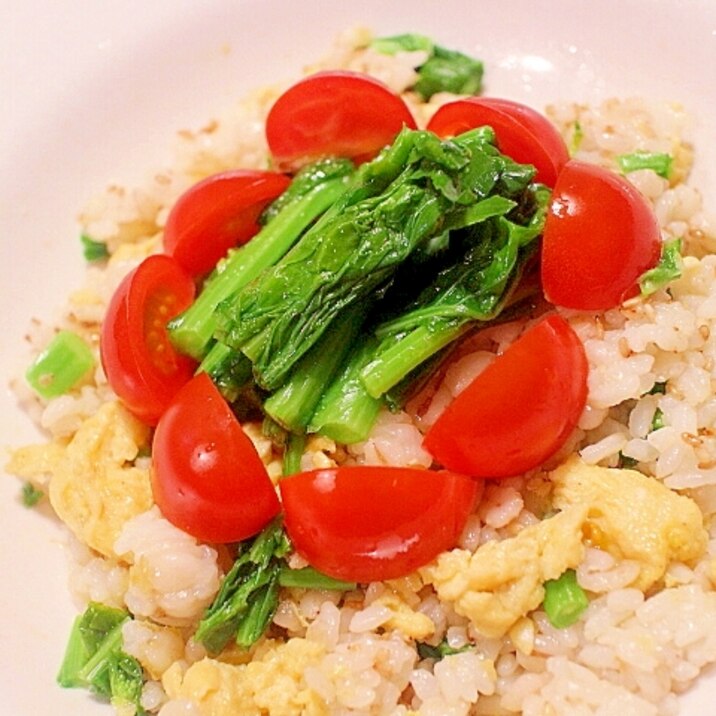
{"type": "Point", "coordinates": [293, 404]}
{"type": "Point", "coordinates": [193, 330]}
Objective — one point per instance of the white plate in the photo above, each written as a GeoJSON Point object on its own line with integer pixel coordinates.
{"type": "Point", "coordinates": [92, 93]}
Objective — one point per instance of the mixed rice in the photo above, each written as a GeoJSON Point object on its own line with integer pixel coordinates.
{"type": "Point", "coordinates": [639, 540]}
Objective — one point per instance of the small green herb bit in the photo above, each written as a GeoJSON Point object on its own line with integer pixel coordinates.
{"type": "Point", "coordinates": [93, 250]}
{"type": "Point", "coordinates": [65, 361]}
{"type": "Point", "coordinates": [31, 495]}
{"type": "Point", "coordinates": [564, 600]}
{"type": "Point", "coordinates": [668, 269]}
{"type": "Point", "coordinates": [658, 162]}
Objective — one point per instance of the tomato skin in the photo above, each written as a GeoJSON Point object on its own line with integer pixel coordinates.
{"type": "Point", "coordinates": [141, 365]}
{"type": "Point", "coordinates": [364, 524]}
{"type": "Point", "coordinates": [520, 410]}
{"type": "Point", "coordinates": [218, 213]}
{"type": "Point", "coordinates": [207, 477]}
{"type": "Point", "coordinates": [522, 133]}
{"type": "Point", "coordinates": [600, 235]}
{"type": "Point", "coordinates": [336, 113]}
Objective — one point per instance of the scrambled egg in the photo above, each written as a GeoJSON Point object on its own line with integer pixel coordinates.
{"type": "Point", "coordinates": [413, 624]}
{"type": "Point", "coordinates": [632, 516]}
{"type": "Point", "coordinates": [272, 683]}
{"type": "Point", "coordinates": [620, 511]}
{"type": "Point", "coordinates": [502, 581]}
{"type": "Point", "coordinates": [93, 487]}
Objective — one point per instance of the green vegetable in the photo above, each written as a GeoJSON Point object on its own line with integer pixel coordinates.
{"type": "Point", "coordinates": [310, 578]}
{"type": "Point", "coordinates": [625, 462]}
{"type": "Point", "coordinates": [657, 421]}
{"type": "Point", "coordinates": [414, 192]}
{"type": "Point", "coordinates": [248, 596]}
{"type": "Point", "coordinates": [439, 651]}
{"type": "Point", "coordinates": [668, 269]}
{"type": "Point", "coordinates": [192, 332]}
{"type": "Point", "coordinates": [656, 161]}
{"type": "Point", "coordinates": [659, 388]}
{"type": "Point", "coordinates": [293, 452]}
{"type": "Point", "coordinates": [577, 137]}
{"type": "Point", "coordinates": [93, 250]}
{"type": "Point", "coordinates": [564, 600]}
{"type": "Point", "coordinates": [94, 658]}
{"type": "Point", "coordinates": [65, 361]}
{"type": "Point", "coordinates": [443, 71]}
{"type": "Point", "coordinates": [31, 495]}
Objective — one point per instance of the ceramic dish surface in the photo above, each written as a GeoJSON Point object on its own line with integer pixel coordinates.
{"type": "Point", "coordinates": [93, 93]}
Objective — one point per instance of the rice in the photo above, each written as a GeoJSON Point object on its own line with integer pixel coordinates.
{"type": "Point", "coordinates": [330, 653]}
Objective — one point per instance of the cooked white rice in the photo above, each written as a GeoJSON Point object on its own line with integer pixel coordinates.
{"type": "Point", "coordinates": [355, 654]}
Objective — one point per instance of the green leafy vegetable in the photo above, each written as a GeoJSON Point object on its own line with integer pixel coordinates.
{"type": "Point", "coordinates": [564, 600]}
{"type": "Point", "coordinates": [412, 193]}
{"type": "Point", "coordinates": [439, 651]}
{"type": "Point", "coordinates": [443, 71]}
{"type": "Point", "coordinates": [625, 462]}
{"type": "Point", "coordinates": [656, 161]}
{"type": "Point", "coordinates": [310, 578]}
{"type": "Point", "coordinates": [657, 421]}
{"type": "Point", "coordinates": [576, 138]}
{"type": "Point", "coordinates": [659, 388]}
{"type": "Point", "coordinates": [94, 658]}
{"type": "Point", "coordinates": [31, 495]}
{"type": "Point", "coordinates": [93, 250]}
{"type": "Point", "coordinates": [248, 596]}
{"type": "Point", "coordinates": [193, 331]}
{"type": "Point", "coordinates": [63, 363]}
{"type": "Point", "coordinates": [668, 269]}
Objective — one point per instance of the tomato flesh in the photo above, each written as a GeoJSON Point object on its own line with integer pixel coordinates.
{"type": "Point", "coordinates": [521, 133]}
{"type": "Point", "coordinates": [370, 523]}
{"type": "Point", "coordinates": [207, 477]}
{"type": "Point", "coordinates": [600, 236]}
{"type": "Point", "coordinates": [520, 410]}
{"type": "Point", "coordinates": [335, 113]}
{"type": "Point", "coordinates": [218, 213]}
{"type": "Point", "coordinates": [138, 358]}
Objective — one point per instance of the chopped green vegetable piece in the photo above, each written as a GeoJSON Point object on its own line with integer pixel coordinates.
{"type": "Point", "coordinates": [659, 388]}
{"type": "Point", "coordinates": [63, 363]}
{"type": "Point", "coordinates": [93, 250]}
{"type": "Point", "coordinates": [94, 658]}
{"type": "Point", "coordinates": [439, 651]}
{"type": "Point", "coordinates": [577, 137]}
{"type": "Point", "coordinates": [657, 422]}
{"type": "Point", "coordinates": [625, 462]}
{"type": "Point", "coordinates": [31, 495]}
{"type": "Point", "coordinates": [668, 269]}
{"type": "Point", "coordinates": [564, 600]}
{"type": "Point", "coordinates": [656, 161]}
{"type": "Point", "coordinates": [248, 596]}
{"type": "Point", "coordinates": [310, 578]}
{"type": "Point", "coordinates": [443, 71]}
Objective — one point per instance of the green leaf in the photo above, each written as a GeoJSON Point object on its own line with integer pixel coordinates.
{"type": "Point", "coordinates": [668, 269]}
{"type": "Point", "coordinates": [656, 161]}
{"type": "Point", "coordinates": [93, 250]}
{"type": "Point", "coordinates": [440, 651]}
{"type": "Point", "coordinates": [31, 495]}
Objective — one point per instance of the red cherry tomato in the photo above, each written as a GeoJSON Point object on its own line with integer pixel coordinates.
{"type": "Point", "coordinates": [519, 410]}
{"type": "Point", "coordinates": [600, 235]}
{"type": "Point", "coordinates": [207, 477]}
{"type": "Point", "coordinates": [370, 523]}
{"type": "Point", "coordinates": [217, 214]}
{"type": "Point", "coordinates": [141, 364]}
{"type": "Point", "coordinates": [522, 133]}
{"type": "Point", "coordinates": [334, 113]}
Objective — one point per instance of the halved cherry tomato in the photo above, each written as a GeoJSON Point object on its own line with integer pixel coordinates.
{"type": "Point", "coordinates": [371, 523]}
{"type": "Point", "coordinates": [141, 365]}
{"type": "Point", "coordinates": [207, 477]}
{"type": "Point", "coordinates": [600, 235]}
{"type": "Point", "coordinates": [522, 133]}
{"type": "Point", "coordinates": [519, 410]}
{"type": "Point", "coordinates": [335, 113]}
{"type": "Point", "coordinates": [217, 214]}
